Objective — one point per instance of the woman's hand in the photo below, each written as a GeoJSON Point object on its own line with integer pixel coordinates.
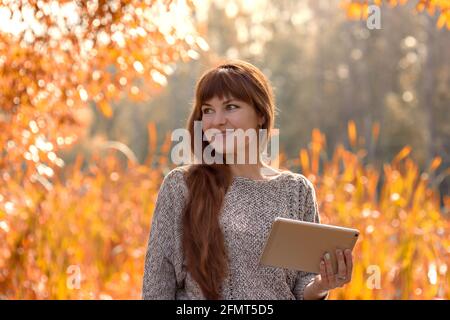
{"type": "Point", "coordinates": [327, 280]}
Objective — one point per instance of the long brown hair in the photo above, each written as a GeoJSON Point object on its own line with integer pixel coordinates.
{"type": "Point", "coordinates": [203, 240]}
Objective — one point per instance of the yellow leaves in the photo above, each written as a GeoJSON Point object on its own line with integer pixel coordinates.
{"type": "Point", "coordinates": [420, 6]}
{"type": "Point", "coordinates": [304, 160]}
{"type": "Point", "coordinates": [403, 220]}
{"type": "Point", "coordinates": [52, 76]}
{"type": "Point", "coordinates": [318, 141]}
{"type": "Point", "coordinates": [355, 10]}
{"type": "Point", "coordinates": [444, 19]}
{"type": "Point", "coordinates": [152, 139]}
{"type": "Point", "coordinates": [105, 108]}
{"type": "Point", "coordinates": [96, 224]}
{"type": "Point", "coordinates": [358, 9]}
{"type": "Point", "coordinates": [402, 154]}
{"type": "Point", "coordinates": [351, 129]}
{"type": "Point", "coordinates": [152, 136]}
{"type": "Point", "coordinates": [375, 131]}
{"type": "Point", "coordinates": [317, 145]}
{"type": "Point", "coordinates": [447, 201]}
{"type": "Point", "coordinates": [435, 163]}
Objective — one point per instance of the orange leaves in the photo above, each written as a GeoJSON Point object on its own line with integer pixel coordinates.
{"type": "Point", "coordinates": [398, 214]}
{"type": "Point", "coordinates": [351, 129]}
{"type": "Point", "coordinates": [444, 19]}
{"type": "Point", "coordinates": [105, 108]}
{"type": "Point", "coordinates": [90, 225]}
{"type": "Point", "coordinates": [123, 48]}
{"type": "Point", "coordinates": [447, 201]}
{"type": "Point", "coordinates": [358, 9]}
{"type": "Point", "coordinates": [375, 131]}
{"type": "Point", "coordinates": [431, 6]}
{"type": "Point", "coordinates": [402, 154]}
{"type": "Point", "coordinates": [318, 144]}
{"type": "Point", "coordinates": [153, 140]}
{"type": "Point", "coordinates": [152, 136]}
{"type": "Point", "coordinates": [47, 84]}
{"type": "Point", "coordinates": [435, 163]}
{"type": "Point", "coordinates": [96, 222]}
{"type": "Point", "coordinates": [304, 161]}
{"type": "Point", "coordinates": [355, 10]}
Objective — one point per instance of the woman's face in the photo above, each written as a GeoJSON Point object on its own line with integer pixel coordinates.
{"type": "Point", "coordinates": [229, 114]}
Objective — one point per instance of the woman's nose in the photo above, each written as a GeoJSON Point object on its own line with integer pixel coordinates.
{"type": "Point", "coordinates": [219, 119]}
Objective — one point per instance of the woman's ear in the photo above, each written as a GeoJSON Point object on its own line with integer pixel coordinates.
{"type": "Point", "coordinates": [261, 121]}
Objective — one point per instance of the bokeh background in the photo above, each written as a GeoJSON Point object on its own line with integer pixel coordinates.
{"type": "Point", "coordinates": [91, 90]}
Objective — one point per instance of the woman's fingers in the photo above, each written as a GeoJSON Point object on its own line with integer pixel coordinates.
{"type": "Point", "coordinates": [344, 272]}
{"type": "Point", "coordinates": [329, 271]}
{"type": "Point", "coordinates": [323, 274]}
{"type": "Point", "coordinates": [342, 268]}
{"type": "Point", "coordinates": [349, 263]}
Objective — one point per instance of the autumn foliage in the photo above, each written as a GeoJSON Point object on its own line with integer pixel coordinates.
{"type": "Point", "coordinates": [404, 237]}
{"type": "Point", "coordinates": [56, 59]}
{"type": "Point", "coordinates": [80, 230]}
{"type": "Point", "coordinates": [358, 9]}
{"type": "Point", "coordinates": [95, 221]}
{"type": "Point", "coordinates": [63, 55]}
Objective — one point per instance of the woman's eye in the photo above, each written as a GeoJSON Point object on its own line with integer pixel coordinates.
{"type": "Point", "coordinates": [207, 110]}
{"type": "Point", "coordinates": [232, 106]}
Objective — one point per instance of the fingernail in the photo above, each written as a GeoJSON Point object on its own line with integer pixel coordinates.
{"type": "Point", "coordinates": [327, 256]}
{"type": "Point", "coordinates": [339, 252]}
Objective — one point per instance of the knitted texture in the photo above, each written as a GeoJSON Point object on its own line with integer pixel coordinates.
{"type": "Point", "coordinates": [249, 209]}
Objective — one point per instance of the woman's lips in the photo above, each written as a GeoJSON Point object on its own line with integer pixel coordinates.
{"type": "Point", "coordinates": [223, 134]}
{"type": "Point", "coordinates": [227, 131]}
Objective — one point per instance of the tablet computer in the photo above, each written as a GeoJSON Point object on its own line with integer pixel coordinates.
{"type": "Point", "coordinates": [300, 245]}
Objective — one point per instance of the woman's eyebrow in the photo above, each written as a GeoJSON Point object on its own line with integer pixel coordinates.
{"type": "Point", "coordinates": [225, 102]}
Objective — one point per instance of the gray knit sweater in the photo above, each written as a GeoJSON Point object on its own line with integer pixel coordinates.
{"type": "Point", "coordinates": [250, 206]}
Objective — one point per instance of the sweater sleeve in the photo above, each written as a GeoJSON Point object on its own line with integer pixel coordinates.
{"type": "Point", "coordinates": [310, 214]}
{"type": "Point", "coordinates": [159, 280]}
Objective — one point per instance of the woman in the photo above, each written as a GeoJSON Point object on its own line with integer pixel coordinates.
{"type": "Point", "coordinates": [211, 221]}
